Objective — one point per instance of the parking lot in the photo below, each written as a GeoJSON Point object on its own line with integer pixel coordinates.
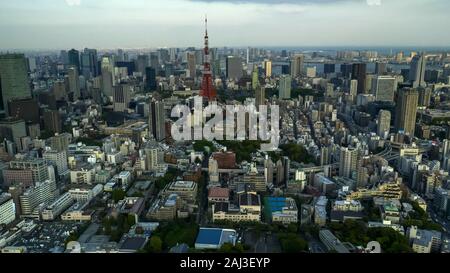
{"type": "Point", "coordinates": [47, 237]}
{"type": "Point", "coordinates": [265, 243]}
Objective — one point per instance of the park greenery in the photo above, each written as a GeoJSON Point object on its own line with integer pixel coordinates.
{"type": "Point", "coordinates": [296, 152]}
{"type": "Point", "coordinates": [292, 243]}
{"type": "Point", "coordinates": [357, 233]}
{"type": "Point", "coordinates": [117, 226]}
{"type": "Point", "coordinates": [203, 146]}
{"type": "Point", "coordinates": [171, 234]}
{"type": "Point", "coordinates": [162, 181]}
{"type": "Point", "coordinates": [420, 219]}
{"type": "Point", "coordinates": [243, 149]}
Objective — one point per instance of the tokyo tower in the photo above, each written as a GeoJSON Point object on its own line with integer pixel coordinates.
{"type": "Point", "coordinates": [207, 90]}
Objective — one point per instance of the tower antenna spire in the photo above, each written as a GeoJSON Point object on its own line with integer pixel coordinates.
{"type": "Point", "coordinates": [206, 24]}
{"type": "Point", "coordinates": [207, 89]}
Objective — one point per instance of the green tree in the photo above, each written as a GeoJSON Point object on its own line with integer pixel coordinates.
{"type": "Point", "coordinates": [118, 194]}
{"type": "Point", "coordinates": [155, 244]}
{"type": "Point", "coordinates": [292, 243]}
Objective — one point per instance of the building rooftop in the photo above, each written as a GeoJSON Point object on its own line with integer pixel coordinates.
{"type": "Point", "coordinates": [215, 236]}
{"type": "Point", "coordinates": [217, 192]}
{"type": "Point", "coordinates": [248, 199]}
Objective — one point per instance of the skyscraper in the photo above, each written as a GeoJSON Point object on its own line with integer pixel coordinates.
{"type": "Point", "coordinates": [268, 68]}
{"type": "Point", "coordinates": [384, 123]}
{"type": "Point", "coordinates": [157, 119]}
{"type": "Point", "coordinates": [14, 83]}
{"type": "Point", "coordinates": [234, 68]}
{"type": "Point", "coordinates": [150, 79]}
{"type": "Point", "coordinates": [383, 87]}
{"type": "Point", "coordinates": [121, 97]}
{"type": "Point", "coordinates": [346, 70]}
{"type": "Point", "coordinates": [359, 74]}
{"type": "Point", "coordinates": [405, 117]}
{"type": "Point", "coordinates": [354, 88]}
{"type": "Point", "coordinates": [297, 64]}
{"type": "Point", "coordinates": [142, 63]}
{"type": "Point", "coordinates": [207, 90]}
{"type": "Point", "coordinates": [260, 96]}
{"type": "Point", "coordinates": [74, 82]}
{"type": "Point", "coordinates": [107, 76]}
{"type": "Point", "coordinates": [424, 96]}
{"type": "Point", "coordinates": [52, 121]}
{"type": "Point", "coordinates": [417, 71]}
{"type": "Point", "coordinates": [380, 68]}
{"type": "Point", "coordinates": [89, 63]}
{"type": "Point", "coordinates": [285, 87]}
{"type": "Point", "coordinates": [191, 65]}
{"type": "Point", "coordinates": [255, 78]}
{"type": "Point", "coordinates": [348, 161]}
{"type": "Point", "coordinates": [74, 58]}
{"type": "Point", "coordinates": [329, 68]}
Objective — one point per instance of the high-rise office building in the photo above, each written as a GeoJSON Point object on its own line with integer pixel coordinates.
{"type": "Point", "coordinates": [255, 78]}
{"type": "Point", "coordinates": [329, 68]}
{"type": "Point", "coordinates": [150, 79]}
{"type": "Point", "coordinates": [60, 142]}
{"type": "Point", "coordinates": [14, 82]}
{"type": "Point", "coordinates": [121, 97]}
{"type": "Point", "coordinates": [107, 68]}
{"type": "Point", "coordinates": [286, 169]}
{"type": "Point", "coordinates": [383, 88]}
{"type": "Point", "coordinates": [405, 117]}
{"type": "Point", "coordinates": [268, 68]}
{"type": "Point", "coordinates": [325, 155]}
{"type": "Point", "coordinates": [74, 82]}
{"type": "Point", "coordinates": [59, 90]}
{"type": "Point", "coordinates": [417, 71]}
{"type": "Point", "coordinates": [354, 88]}
{"type": "Point", "coordinates": [359, 73]}
{"type": "Point", "coordinates": [346, 70]}
{"type": "Point", "coordinates": [42, 192]}
{"type": "Point", "coordinates": [380, 68]}
{"type": "Point", "coordinates": [384, 123]}
{"type": "Point", "coordinates": [191, 65]}
{"type": "Point", "coordinates": [424, 96]}
{"type": "Point", "coordinates": [74, 59]}
{"type": "Point", "coordinates": [89, 63]}
{"type": "Point", "coordinates": [157, 120]}
{"type": "Point", "coordinates": [39, 167]}
{"type": "Point", "coordinates": [26, 109]}
{"type": "Point", "coordinates": [52, 121]}
{"type": "Point", "coordinates": [142, 63]}
{"type": "Point", "coordinates": [234, 68]}
{"type": "Point", "coordinates": [348, 161]}
{"type": "Point", "coordinates": [260, 96]}
{"type": "Point", "coordinates": [58, 159]}
{"type": "Point", "coordinates": [297, 65]}
{"type": "Point", "coordinates": [285, 87]}
{"type": "Point", "coordinates": [12, 129]}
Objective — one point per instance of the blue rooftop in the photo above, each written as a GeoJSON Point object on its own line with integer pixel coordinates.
{"type": "Point", "coordinates": [210, 236]}
{"type": "Point", "coordinates": [276, 203]}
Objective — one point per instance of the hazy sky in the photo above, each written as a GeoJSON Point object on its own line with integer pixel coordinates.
{"type": "Point", "coordinates": [56, 24]}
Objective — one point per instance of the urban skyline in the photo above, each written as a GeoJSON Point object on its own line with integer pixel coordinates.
{"type": "Point", "coordinates": [210, 149]}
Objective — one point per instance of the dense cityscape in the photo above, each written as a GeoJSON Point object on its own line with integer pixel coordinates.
{"type": "Point", "coordinates": [91, 160]}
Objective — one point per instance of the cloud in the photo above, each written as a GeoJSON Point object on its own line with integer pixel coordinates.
{"type": "Point", "coordinates": [72, 3]}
